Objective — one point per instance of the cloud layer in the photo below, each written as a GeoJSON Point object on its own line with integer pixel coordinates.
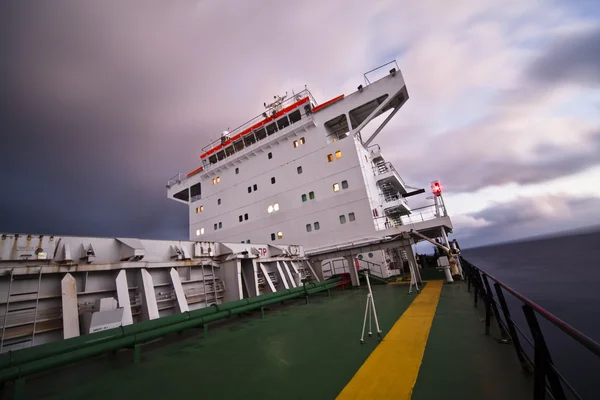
{"type": "Point", "coordinates": [107, 100]}
{"type": "Point", "coordinates": [527, 217]}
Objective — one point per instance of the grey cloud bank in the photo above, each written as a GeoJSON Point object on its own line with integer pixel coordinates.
{"type": "Point", "coordinates": [107, 100]}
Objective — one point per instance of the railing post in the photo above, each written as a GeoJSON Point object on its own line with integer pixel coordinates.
{"type": "Point", "coordinates": [494, 306]}
{"type": "Point", "coordinates": [468, 277]}
{"type": "Point", "coordinates": [488, 306]}
{"type": "Point", "coordinates": [473, 271]}
{"type": "Point", "coordinates": [542, 361]}
{"type": "Point", "coordinates": [511, 327]}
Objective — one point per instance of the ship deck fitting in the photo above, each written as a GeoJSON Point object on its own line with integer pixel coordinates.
{"type": "Point", "coordinates": [434, 343]}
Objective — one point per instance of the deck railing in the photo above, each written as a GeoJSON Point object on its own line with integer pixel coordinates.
{"type": "Point", "coordinates": [547, 378]}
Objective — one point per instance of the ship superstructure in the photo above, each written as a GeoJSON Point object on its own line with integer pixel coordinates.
{"type": "Point", "coordinates": [303, 173]}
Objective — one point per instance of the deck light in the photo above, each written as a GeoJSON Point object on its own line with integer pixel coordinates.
{"type": "Point", "coordinates": [436, 188]}
{"type": "Point", "coordinates": [393, 72]}
{"type": "Point", "coordinates": [360, 88]}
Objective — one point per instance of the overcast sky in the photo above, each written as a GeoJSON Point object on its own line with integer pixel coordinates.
{"type": "Point", "coordinates": [103, 101]}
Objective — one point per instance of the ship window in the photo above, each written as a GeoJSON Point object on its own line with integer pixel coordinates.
{"type": "Point", "coordinates": [240, 218]}
{"type": "Point", "coordinates": [221, 155]}
{"type": "Point", "coordinates": [215, 227]}
{"type": "Point", "coordinates": [342, 219]}
{"type": "Point", "coordinates": [329, 157]}
{"type": "Point", "coordinates": [237, 171]}
{"type": "Point", "coordinates": [317, 226]}
{"type": "Point", "coordinates": [295, 116]}
{"type": "Point", "coordinates": [338, 154]}
{"type": "Point", "coordinates": [311, 195]}
{"type": "Point", "coordinates": [279, 235]}
{"type": "Point", "coordinates": [299, 169]}
{"type": "Point", "coordinates": [195, 192]}
{"type": "Point", "coordinates": [283, 123]}
{"type": "Point", "coordinates": [246, 217]}
{"type": "Point", "coordinates": [304, 197]}
{"type": "Point", "coordinates": [183, 195]}
{"type": "Point", "coordinates": [308, 227]}
{"type": "Point", "coordinates": [299, 142]}
{"type": "Point", "coordinates": [212, 159]}
{"type": "Point", "coordinates": [220, 225]}
{"type": "Point", "coordinates": [199, 209]}
{"type": "Point", "coordinates": [272, 236]}
{"type": "Point", "coordinates": [361, 113]}
{"type": "Point", "coordinates": [249, 189]}
{"type": "Point", "coordinates": [270, 155]}
{"type": "Point", "coordinates": [249, 139]}
{"type": "Point", "coordinates": [255, 187]}
{"type": "Point", "coordinates": [351, 217]}
{"type": "Point", "coordinates": [238, 145]}
{"type": "Point", "coordinates": [272, 180]}
{"type": "Point", "coordinates": [336, 187]}
{"type": "Point", "coordinates": [229, 150]}
{"type": "Point", "coordinates": [344, 184]}
{"type": "Point", "coordinates": [271, 129]}
{"type": "Point", "coordinates": [260, 133]}
{"type": "Point", "coordinates": [219, 202]}
{"type": "Point", "coordinates": [248, 241]}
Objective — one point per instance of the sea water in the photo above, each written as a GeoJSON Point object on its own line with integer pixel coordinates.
{"type": "Point", "coordinates": [562, 275]}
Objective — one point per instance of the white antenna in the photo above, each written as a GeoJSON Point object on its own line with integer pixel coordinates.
{"type": "Point", "coordinates": [276, 105]}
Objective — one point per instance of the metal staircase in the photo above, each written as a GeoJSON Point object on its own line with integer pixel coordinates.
{"type": "Point", "coordinates": [389, 192]}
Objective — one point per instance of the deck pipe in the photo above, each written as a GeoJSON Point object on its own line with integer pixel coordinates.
{"type": "Point", "coordinates": [21, 356]}
{"type": "Point", "coordinates": [57, 354]}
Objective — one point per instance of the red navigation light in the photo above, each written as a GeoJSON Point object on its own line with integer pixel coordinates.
{"type": "Point", "coordinates": [436, 188]}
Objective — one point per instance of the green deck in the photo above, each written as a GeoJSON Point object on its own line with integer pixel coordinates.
{"type": "Point", "coordinates": [301, 351]}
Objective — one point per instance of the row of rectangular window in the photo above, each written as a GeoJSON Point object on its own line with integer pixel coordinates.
{"type": "Point", "coordinates": [309, 227]}
{"type": "Point", "coordinates": [301, 141]}
{"type": "Point", "coordinates": [311, 195]}
{"type": "Point", "coordinates": [336, 186]}
{"type": "Point", "coordinates": [338, 154]}
{"type": "Point", "coordinates": [279, 236]}
{"type": "Point", "coordinates": [351, 217]}
{"type": "Point", "coordinates": [258, 135]}
{"type": "Point", "coordinates": [317, 226]}
{"type": "Point", "coordinates": [330, 157]}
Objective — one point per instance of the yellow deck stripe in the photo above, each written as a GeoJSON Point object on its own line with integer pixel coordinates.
{"type": "Point", "coordinates": [391, 370]}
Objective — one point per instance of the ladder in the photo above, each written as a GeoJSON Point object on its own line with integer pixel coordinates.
{"type": "Point", "coordinates": [19, 315]}
{"type": "Point", "coordinates": [381, 167]}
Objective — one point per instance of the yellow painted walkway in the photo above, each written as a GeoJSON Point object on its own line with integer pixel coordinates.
{"type": "Point", "coordinates": [391, 370]}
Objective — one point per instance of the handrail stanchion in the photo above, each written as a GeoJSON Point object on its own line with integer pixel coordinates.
{"type": "Point", "coordinates": [494, 306]}
{"type": "Point", "coordinates": [511, 328]}
{"type": "Point", "coordinates": [542, 361]}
